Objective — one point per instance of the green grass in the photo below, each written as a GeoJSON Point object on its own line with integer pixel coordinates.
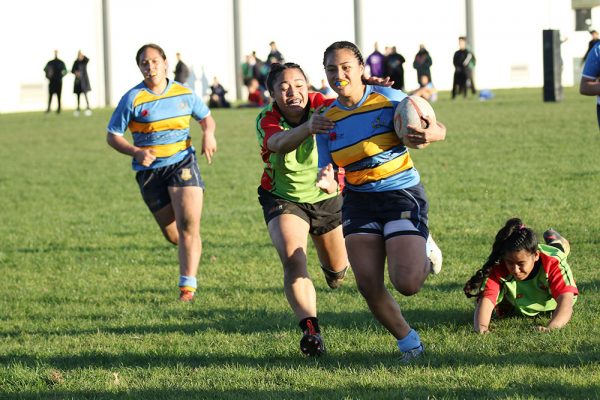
{"type": "Point", "coordinates": [88, 286]}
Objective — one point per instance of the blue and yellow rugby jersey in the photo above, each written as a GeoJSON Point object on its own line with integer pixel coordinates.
{"type": "Point", "coordinates": [365, 144]}
{"type": "Point", "coordinates": [160, 122]}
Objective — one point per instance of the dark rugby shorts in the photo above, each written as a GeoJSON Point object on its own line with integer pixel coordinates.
{"type": "Point", "coordinates": [153, 183]}
{"type": "Point", "coordinates": [392, 213]}
{"type": "Point", "coordinates": [322, 217]}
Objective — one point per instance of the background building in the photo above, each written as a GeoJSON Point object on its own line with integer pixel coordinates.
{"type": "Point", "coordinates": [506, 38]}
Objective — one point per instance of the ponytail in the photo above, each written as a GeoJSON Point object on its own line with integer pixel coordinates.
{"type": "Point", "coordinates": [514, 236]}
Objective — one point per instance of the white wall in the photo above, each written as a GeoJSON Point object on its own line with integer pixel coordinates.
{"type": "Point", "coordinates": [507, 40]}
{"type": "Point", "coordinates": [31, 30]}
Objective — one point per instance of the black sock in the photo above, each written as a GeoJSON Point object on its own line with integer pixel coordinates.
{"type": "Point", "coordinates": [313, 320]}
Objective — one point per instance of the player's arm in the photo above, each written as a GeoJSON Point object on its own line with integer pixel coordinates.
{"type": "Point", "coordinates": [286, 141]}
{"type": "Point", "coordinates": [144, 157]}
{"type": "Point", "coordinates": [483, 315]}
{"type": "Point", "coordinates": [433, 133]}
{"type": "Point", "coordinates": [562, 315]}
{"type": "Point", "coordinates": [589, 86]}
{"type": "Point", "coordinates": [326, 179]}
{"type": "Point", "coordinates": [209, 141]}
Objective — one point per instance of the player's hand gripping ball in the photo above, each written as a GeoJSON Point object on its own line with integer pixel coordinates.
{"type": "Point", "coordinates": [410, 111]}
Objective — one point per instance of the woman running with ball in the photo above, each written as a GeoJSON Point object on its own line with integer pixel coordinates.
{"type": "Point", "coordinates": [384, 212]}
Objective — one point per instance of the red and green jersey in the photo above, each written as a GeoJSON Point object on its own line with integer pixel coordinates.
{"type": "Point", "coordinates": [550, 278]}
{"type": "Point", "coordinates": [292, 175]}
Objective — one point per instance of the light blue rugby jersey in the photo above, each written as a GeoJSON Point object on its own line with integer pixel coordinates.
{"type": "Point", "coordinates": [365, 143]}
{"type": "Point", "coordinates": [591, 69]}
{"type": "Point", "coordinates": [160, 122]}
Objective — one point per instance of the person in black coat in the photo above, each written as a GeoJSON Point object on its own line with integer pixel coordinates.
{"type": "Point", "coordinates": [82, 81]}
{"type": "Point", "coordinates": [394, 69]}
{"type": "Point", "coordinates": [463, 61]}
{"type": "Point", "coordinates": [55, 69]}
{"type": "Point", "coordinates": [422, 64]}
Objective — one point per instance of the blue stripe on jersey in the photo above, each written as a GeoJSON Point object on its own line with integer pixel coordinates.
{"type": "Point", "coordinates": [377, 160]}
{"type": "Point", "coordinates": [154, 138]}
{"type": "Point", "coordinates": [402, 180]}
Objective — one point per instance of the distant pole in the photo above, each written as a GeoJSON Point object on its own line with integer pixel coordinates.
{"type": "Point", "coordinates": [237, 49]}
{"type": "Point", "coordinates": [358, 25]}
{"type": "Point", "coordinates": [469, 22]}
{"type": "Point", "coordinates": [470, 32]}
{"type": "Point", "coordinates": [106, 50]}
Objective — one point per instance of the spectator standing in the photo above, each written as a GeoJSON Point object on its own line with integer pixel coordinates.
{"type": "Point", "coordinates": [182, 72]}
{"type": "Point", "coordinates": [463, 61]}
{"type": "Point", "coordinates": [55, 70]}
{"type": "Point", "coordinates": [375, 62]}
{"type": "Point", "coordinates": [422, 64]}
{"type": "Point", "coordinates": [82, 82]}
{"type": "Point", "coordinates": [394, 68]}
{"type": "Point", "coordinates": [275, 55]}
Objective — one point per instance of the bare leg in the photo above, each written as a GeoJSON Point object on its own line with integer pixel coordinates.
{"type": "Point", "coordinates": [367, 256]}
{"type": "Point", "coordinates": [187, 207]}
{"type": "Point", "coordinates": [289, 236]}
{"type": "Point", "coordinates": [331, 249]}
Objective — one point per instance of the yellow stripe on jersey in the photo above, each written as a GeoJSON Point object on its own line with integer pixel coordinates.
{"type": "Point", "coordinates": [390, 168]}
{"type": "Point", "coordinates": [374, 101]}
{"type": "Point", "coordinates": [145, 96]}
{"type": "Point", "coordinates": [176, 123]}
{"type": "Point", "coordinates": [167, 150]}
{"type": "Point", "coordinates": [364, 149]}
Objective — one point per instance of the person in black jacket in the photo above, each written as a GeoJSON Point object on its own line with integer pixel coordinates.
{"type": "Point", "coordinates": [82, 82]}
{"type": "Point", "coordinates": [463, 61]}
{"type": "Point", "coordinates": [394, 69]}
{"type": "Point", "coordinates": [55, 70]}
{"type": "Point", "coordinates": [182, 72]}
{"type": "Point", "coordinates": [422, 64]}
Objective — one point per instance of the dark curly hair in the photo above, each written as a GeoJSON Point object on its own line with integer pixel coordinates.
{"type": "Point", "coordinates": [514, 236]}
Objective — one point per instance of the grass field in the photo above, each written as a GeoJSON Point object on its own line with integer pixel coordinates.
{"type": "Point", "coordinates": [88, 286]}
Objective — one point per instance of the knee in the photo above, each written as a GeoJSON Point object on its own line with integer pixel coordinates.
{"type": "Point", "coordinates": [171, 236]}
{"type": "Point", "coordinates": [407, 285]}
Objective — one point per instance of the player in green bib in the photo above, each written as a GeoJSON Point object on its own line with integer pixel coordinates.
{"type": "Point", "coordinates": [525, 278]}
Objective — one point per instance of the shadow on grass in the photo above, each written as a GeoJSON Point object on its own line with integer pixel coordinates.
{"type": "Point", "coordinates": [548, 389]}
{"type": "Point", "coordinates": [191, 319]}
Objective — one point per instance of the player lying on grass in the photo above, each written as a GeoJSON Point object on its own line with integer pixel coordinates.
{"type": "Point", "coordinates": [522, 277]}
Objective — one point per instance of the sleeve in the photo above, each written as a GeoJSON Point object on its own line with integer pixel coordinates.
{"type": "Point", "coordinates": [199, 109]}
{"type": "Point", "coordinates": [267, 125]}
{"type": "Point", "coordinates": [560, 278]}
{"type": "Point", "coordinates": [492, 286]}
{"type": "Point", "coordinates": [591, 69]}
{"type": "Point", "coordinates": [323, 150]}
{"type": "Point", "coordinates": [121, 116]}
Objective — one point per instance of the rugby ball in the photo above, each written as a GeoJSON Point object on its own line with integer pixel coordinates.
{"type": "Point", "coordinates": [410, 111]}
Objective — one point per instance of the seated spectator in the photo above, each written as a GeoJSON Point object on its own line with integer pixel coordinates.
{"type": "Point", "coordinates": [325, 90]}
{"type": "Point", "coordinates": [217, 95]}
{"type": "Point", "coordinates": [427, 90]}
{"type": "Point", "coordinates": [256, 97]}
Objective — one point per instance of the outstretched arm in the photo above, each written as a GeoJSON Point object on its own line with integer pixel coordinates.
{"type": "Point", "coordinates": [286, 141]}
{"type": "Point", "coordinates": [483, 315]}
